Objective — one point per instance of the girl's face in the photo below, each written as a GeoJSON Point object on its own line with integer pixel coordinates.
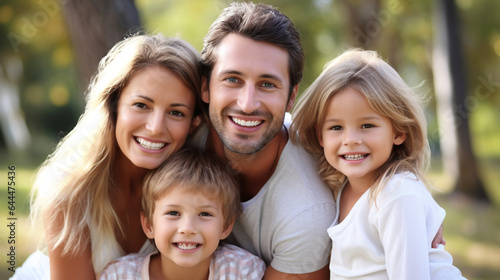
{"type": "Point", "coordinates": [187, 227]}
{"type": "Point", "coordinates": [356, 139]}
{"type": "Point", "coordinates": [154, 116]}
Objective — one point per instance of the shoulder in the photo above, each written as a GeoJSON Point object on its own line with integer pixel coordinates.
{"type": "Point", "coordinates": [233, 260]}
{"type": "Point", "coordinates": [126, 267]}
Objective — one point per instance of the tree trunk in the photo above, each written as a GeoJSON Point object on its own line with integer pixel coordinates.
{"type": "Point", "coordinates": [96, 26]}
{"type": "Point", "coordinates": [453, 111]}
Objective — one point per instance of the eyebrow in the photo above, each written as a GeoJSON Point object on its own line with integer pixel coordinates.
{"type": "Point", "coordinates": [266, 76]}
{"type": "Point", "coordinates": [163, 206]}
{"type": "Point", "coordinates": [171, 105]}
{"type": "Point", "coordinates": [367, 118]}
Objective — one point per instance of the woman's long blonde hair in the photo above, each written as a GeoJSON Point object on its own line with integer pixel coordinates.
{"type": "Point", "coordinates": [71, 193]}
{"type": "Point", "coordinates": [386, 93]}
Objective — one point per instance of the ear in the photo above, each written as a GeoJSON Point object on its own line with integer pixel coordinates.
{"type": "Point", "coordinates": [319, 135]}
{"type": "Point", "coordinates": [225, 233]}
{"type": "Point", "coordinates": [205, 96]}
{"type": "Point", "coordinates": [147, 227]}
{"type": "Point", "coordinates": [292, 98]}
{"type": "Point", "coordinates": [399, 138]}
{"type": "Point", "coordinates": [194, 123]}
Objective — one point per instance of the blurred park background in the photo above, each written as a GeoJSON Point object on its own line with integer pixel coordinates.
{"type": "Point", "coordinates": [448, 49]}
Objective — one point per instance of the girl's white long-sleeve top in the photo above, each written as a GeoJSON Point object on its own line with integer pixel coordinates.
{"type": "Point", "coordinates": [392, 238]}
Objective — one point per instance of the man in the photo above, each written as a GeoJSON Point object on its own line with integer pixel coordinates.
{"type": "Point", "coordinates": [254, 63]}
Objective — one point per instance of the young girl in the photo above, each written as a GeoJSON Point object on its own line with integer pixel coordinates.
{"type": "Point", "coordinates": [141, 106]}
{"type": "Point", "coordinates": [368, 128]}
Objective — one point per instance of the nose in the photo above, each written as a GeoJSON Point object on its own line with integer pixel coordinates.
{"type": "Point", "coordinates": [351, 137]}
{"type": "Point", "coordinates": [248, 100]}
{"type": "Point", "coordinates": [156, 123]}
{"type": "Point", "coordinates": [187, 225]}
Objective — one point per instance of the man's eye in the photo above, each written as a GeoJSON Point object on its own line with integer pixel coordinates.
{"type": "Point", "coordinates": [268, 85]}
{"type": "Point", "coordinates": [232, 80]}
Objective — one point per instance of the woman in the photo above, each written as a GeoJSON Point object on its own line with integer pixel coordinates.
{"type": "Point", "coordinates": [141, 106]}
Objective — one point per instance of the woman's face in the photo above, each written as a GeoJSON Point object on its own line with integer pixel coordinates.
{"type": "Point", "coordinates": [154, 116]}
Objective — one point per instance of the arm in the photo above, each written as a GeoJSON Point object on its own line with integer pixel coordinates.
{"type": "Point", "coordinates": [404, 236]}
{"type": "Point", "coordinates": [67, 266]}
{"type": "Point", "coordinates": [272, 273]}
{"type": "Point", "coordinates": [438, 239]}
{"type": "Point", "coordinates": [71, 267]}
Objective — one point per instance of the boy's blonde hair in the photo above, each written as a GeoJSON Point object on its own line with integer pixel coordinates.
{"type": "Point", "coordinates": [386, 93]}
{"type": "Point", "coordinates": [194, 171]}
{"type": "Point", "coordinates": [73, 185]}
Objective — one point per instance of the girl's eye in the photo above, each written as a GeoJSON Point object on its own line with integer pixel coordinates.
{"type": "Point", "coordinates": [172, 213]}
{"type": "Point", "coordinates": [336, 127]}
{"type": "Point", "coordinates": [367, 126]}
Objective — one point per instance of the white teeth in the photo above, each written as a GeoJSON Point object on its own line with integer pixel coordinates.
{"type": "Point", "coordinates": [186, 246]}
{"type": "Point", "coordinates": [150, 145]}
{"type": "Point", "coordinates": [354, 157]}
{"type": "Point", "coordinates": [246, 123]}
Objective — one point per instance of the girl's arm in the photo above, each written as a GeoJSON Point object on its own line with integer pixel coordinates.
{"type": "Point", "coordinates": [405, 237]}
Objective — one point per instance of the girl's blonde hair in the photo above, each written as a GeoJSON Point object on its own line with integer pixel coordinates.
{"type": "Point", "coordinates": [73, 185]}
{"type": "Point", "coordinates": [386, 93]}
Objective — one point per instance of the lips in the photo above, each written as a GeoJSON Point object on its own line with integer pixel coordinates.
{"type": "Point", "coordinates": [186, 246]}
{"type": "Point", "coordinates": [246, 123]}
{"type": "Point", "coordinates": [150, 145]}
{"type": "Point", "coordinates": [354, 157]}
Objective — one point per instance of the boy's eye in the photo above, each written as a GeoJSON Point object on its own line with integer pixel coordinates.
{"type": "Point", "coordinates": [172, 213]}
{"type": "Point", "coordinates": [205, 214]}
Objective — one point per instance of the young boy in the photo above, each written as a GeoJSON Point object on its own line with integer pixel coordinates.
{"type": "Point", "coordinates": [189, 204]}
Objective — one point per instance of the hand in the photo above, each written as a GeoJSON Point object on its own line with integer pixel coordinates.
{"type": "Point", "coordinates": [438, 239]}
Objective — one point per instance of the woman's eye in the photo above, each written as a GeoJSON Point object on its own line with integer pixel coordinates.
{"type": "Point", "coordinates": [177, 113]}
{"type": "Point", "coordinates": [140, 105]}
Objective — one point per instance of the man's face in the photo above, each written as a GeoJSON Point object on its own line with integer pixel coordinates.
{"type": "Point", "coordinates": [248, 93]}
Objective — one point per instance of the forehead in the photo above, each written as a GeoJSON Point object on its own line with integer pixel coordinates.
{"type": "Point", "coordinates": [241, 54]}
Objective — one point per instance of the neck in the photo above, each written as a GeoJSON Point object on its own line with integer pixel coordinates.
{"type": "Point", "coordinates": [253, 170]}
{"type": "Point", "coordinates": [126, 176]}
{"type": "Point", "coordinates": [164, 269]}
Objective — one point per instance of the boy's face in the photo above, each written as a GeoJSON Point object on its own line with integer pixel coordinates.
{"type": "Point", "coordinates": [186, 227]}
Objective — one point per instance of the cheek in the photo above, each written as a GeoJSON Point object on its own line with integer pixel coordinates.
{"type": "Point", "coordinates": [179, 130]}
